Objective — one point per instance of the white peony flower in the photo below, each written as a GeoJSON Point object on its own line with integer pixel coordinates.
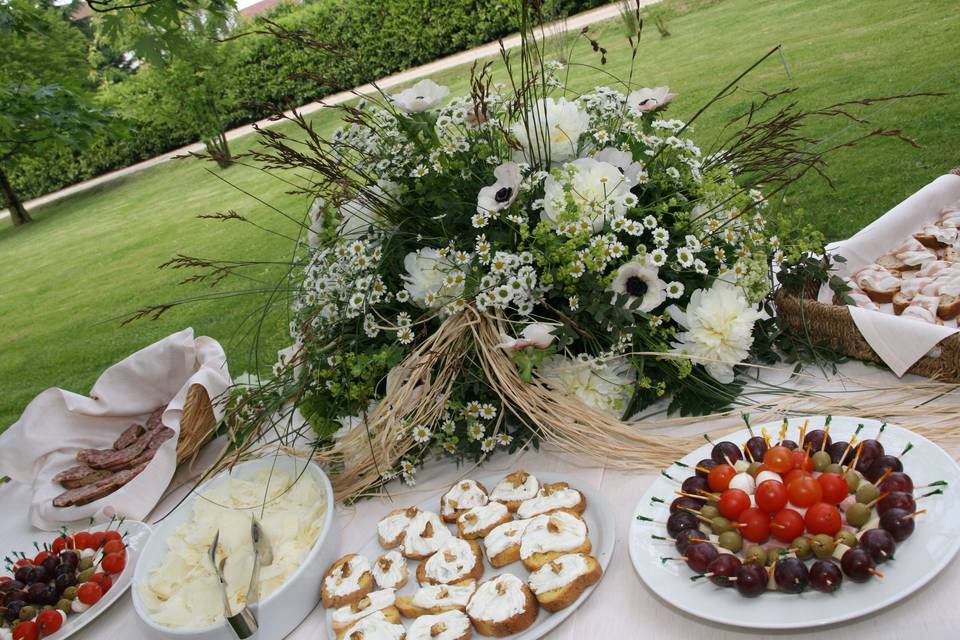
{"type": "Point", "coordinates": [646, 99]}
{"type": "Point", "coordinates": [423, 96]}
{"type": "Point", "coordinates": [535, 334]}
{"type": "Point", "coordinates": [361, 212]}
{"type": "Point", "coordinates": [639, 281]}
{"type": "Point", "coordinates": [559, 123]}
{"type": "Point", "coordinates": [503, 192]}
{"type": "Point", "coordinates": [597, 188]}
{"type": "Point", "coordinates": [718, 327]}
{"type": "Point", "coordinates": [426, 278]}
{"type": "Point", "coordinates": [606, 385]}
{"type": "Point", "coordinates": [622, 160]}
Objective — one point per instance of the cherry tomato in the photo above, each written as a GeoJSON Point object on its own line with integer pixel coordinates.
{"type": "Point", "coordinates": [778, 459]}
{"type": "Point", "coordinates": [733, 502]}
{"type": "Point", "coordinates": [5, 579]}
{"type": "Point", "coordinates": [771, 496]}
{"type": "Point", "coordinates": [114, 546]}
{"type": "Point", "coordinates": [790, 476]}
{"type": "Point", "coordinates": [804, 491]}
{"type": "Point", "coordinates": [787, 525]}
{"type": "Point", "coordinates": [802, 460]}
{"type": "Point", "coordinates": [103, 580]}
{"type": "Point", "coordinates": [754, 525]}
{"type": "Point", "coordinates": [823, 518]}
{"type": "Point", "coordinates": [89, 593]}
{"type": "Point", "coordinates": [720, 475]}
{"type": "Point", "coordinates": [40, 557]}
{"type": "Point", "coordinates": [83, 540]}
{"type": "Point", "coordinates": [61, 543]}
{"type": "Point", "coordinates": [113, 563]}
{"type": "Point", "coordinates": [49, 621]}
{"type": "Point", "coordinates": [26, 631]}
{"type": "Point", "coordinates": [834, 487]}
{"type": "Point", "coordinates": [98, 538]}
{"type": "Point", "coordinates": [113, 534]}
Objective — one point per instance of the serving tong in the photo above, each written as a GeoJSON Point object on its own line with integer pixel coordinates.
{"type": "Point", "coordinates": [244, 623]}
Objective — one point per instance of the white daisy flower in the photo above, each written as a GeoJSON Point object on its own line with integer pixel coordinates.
{"type": "Point", "coordinates": [573, 302]}
{"type": "Point", "coordinates": [674, 290]}
{"type": "Point", "coordinates": [661, 236]}
{"type": "Point", "coordinates": [692, 242]}
{"type": "Point", "coordinates": [658, 257]}
{"type": "Point", "coordinates": [488, 411]}
{"type": "Point", "coordinates": [405, 335]}
{"type": "Point", "coordinates": [685, 257]}
{"type": "Point", "coordinates": [673, 172]}
{"type": "Point", "coordinates": [472, 409]}
{"type": "Point", "coordinates": [475, 432]}
{"type": "Point", "coordinates": [489, 444]}
{"type": "Point", "coordinates": [504, 439]}
{"type": "Point", "coordinates": [650, 222]}
{"type": "Point", "coordinates": [421, 434]}
{"type": "Point", "coordinates": [419, 171]}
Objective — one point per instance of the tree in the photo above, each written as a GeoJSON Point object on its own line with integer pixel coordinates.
{"type": "Point", "coordinates": [45, 104]}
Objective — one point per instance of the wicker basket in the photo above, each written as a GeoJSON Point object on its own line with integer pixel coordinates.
{"type": "Point", "coordinates": [197, 424]}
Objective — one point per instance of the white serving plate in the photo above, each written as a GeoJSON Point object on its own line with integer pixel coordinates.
{"type": "Point", "coordinates": [919, 558]}
{"type": "Point", "coordinates": [137, 534]}
{"type": "Point", "coordinates": [599, 517]}
{"type": "Point", "coordinates": [277, 614]}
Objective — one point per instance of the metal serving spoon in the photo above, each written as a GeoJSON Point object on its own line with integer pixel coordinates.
{"type": "Point", "coordinates": [244, 624]}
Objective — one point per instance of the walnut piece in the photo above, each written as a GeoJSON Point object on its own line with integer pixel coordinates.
{"type": "Point", "coordinates": [518, 478]}
{"type": "Point", "coordinates": [385, 563]}
{"type": "Point", "coordinates": [438, 629]}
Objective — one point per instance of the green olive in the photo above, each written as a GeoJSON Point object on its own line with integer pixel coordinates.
{"type": "Point", "coordinates": [845, 536]}
{"type": "Point", "coordinates": [858, 514]}
{"type": "Point", "coordinates": [69, 593]}
{"type": "Point", "coordinates": [821, 460]}
{"type": "Point", "coordinates": [65, 605]}
{"type": "Point", "coordinates": [822, 545]}
{"type": "Point", "coordinates": [28, 613]}
{"type": "Point", "coordinates": [755, 554]}
{"type": "Point", "coordinates": [867, 492]}
{"type": "Point", "coordinates": [720, 525]}
{"type": "Point", "coordinates": [85, 563]}
{"type": "Point", "coordinates": [754, 468]}
{"type": "Point", "coordinates": [834, 468]}
{"type": "Point", "coordinates": [85, 575]}
{"type": "Point", "coordinates": [731, 540]}
{"type": "Point", "coordinates": [853, 480]}
{"type": "Point", "coordinates": [709, 512]}
{"type": "Point", "coordinates": [801, 547]}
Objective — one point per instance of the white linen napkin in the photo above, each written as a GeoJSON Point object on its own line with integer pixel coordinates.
{"type": "Point", "coordinates": [58, 423]}
{"type": "Point", "coordinates": [899, 342]}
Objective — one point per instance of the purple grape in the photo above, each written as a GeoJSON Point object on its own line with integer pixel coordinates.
{"type": "Point", "coordinates": [682, 539]}
{"type": "Point", "coordinates": [723, 567]}
{"type": "Point", "coordinates": [50, 563]}
{"type": "Point", "coordinates": [684, 502]}
{"type": "Point", "coordinates": [755, 448]}
{"type": "Point", "coordinates": [12, 585]}
{"type": "Point", "coordinates": [680, 521]}
{"type": "Point", "coordinates": [879, 543]}
{"type": "Point", "coordinates": [837, 450]}
{"type": "Point", "coordinates": [70, 557]}
{"type": "Point", "coordinates": [22, 574]}
{"type": "Point", "coordinates": [825, 576]}
{"type": "Point", "coordinates": [857, 564]}
{"type": "Point", "coordinates": [751, 579]}
{"type": "Point", "coordinates": [897, 500]}
{"type": "Point", "coordinates": [694, 485]}
{"type": "Point", "coordinates": [13, 610]}
{"type": "Point", "coordinates": [898, 524]}
{"type": "Point", "coordinates": [38, 574]}
{"type": "Point", "coordinates": [725, 453]}
{"type": "Point", "coordinates": [880, 466]}
{"type": "Point", "coordinates": [897, 481]}
{"type": "Point", "coordinates": [814, 439]}
{"type": "Point", "coordinates": [699, 555]}
{"type": "Point", "coordinates": [789, 444]}
{"type": "Point", "coordinates": [63, 581]}
{"type": "Point", "coordinates": [706, 463]}
{"type": "Point", "coordinates": [14, 596]}
{"type": "Point", "coordinates": [791, 575]}
{"type": "Point", "coordinates": [36, 593]}
{"type": "Point", "coordinates": [870, 450]}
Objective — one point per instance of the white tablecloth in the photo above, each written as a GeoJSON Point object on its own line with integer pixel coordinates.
{"type": "Point", "coordinates": [621, 606]}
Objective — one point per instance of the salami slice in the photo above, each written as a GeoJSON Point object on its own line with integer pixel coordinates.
{"type": "Point", "coordinates": [153, 421]}
{"type": "Point", "coordinates": [80, 476]}
{"type": "Point", "coordinates": [129, 436]}
{"type": "Point", "coordinates": [97, 490]}
{"type": "Point", "coordinates": [111, 459]}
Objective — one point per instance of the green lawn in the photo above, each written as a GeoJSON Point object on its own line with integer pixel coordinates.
{"type": "Point", "coordinates": [93, 257]}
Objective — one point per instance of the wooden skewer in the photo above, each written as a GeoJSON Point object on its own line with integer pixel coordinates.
{"type": "Point", "coordinates": [876, 573]}
{"type": "Point", "coordinates": [856, 458]}
{"type": "Point", "coordinates": [914, 514]}
{"type": "Point", "coordinates": [884, 476]}
{"type": "Point", "coordinates": [853, 440]}
{"type": "Point", "coordinates": [803, 431]}
{"type": "Point", "coordinates": [826, 434]}
{"type": "Point", "coordinates": [877, 499]}
{"type": "Point", "coordinates": [690, 495]}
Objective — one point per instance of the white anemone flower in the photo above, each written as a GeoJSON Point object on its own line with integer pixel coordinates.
{"type": "Point", "coordinates": [535, 334]}
{"type": "Point", "coordinates": [718, 329]}
{"type": "Point", "coordinates": [622, 160]}
{"type": "Point", "coordinates": [423, 96]}
{"type": "Point", "coordinates": [363, 211]}
{"type": "Point", "coordinates": [426, 278]}
{"type": "Point", "coordinates": [640, 282]}
{"type": "Point", "coordinates": [501, 193]}
{"type": "Point", "coordinates": [597, 188]}
{"type": "Point", "coordinates": [559, 123]}
{"type": "Point", "coordinates": [643, 100]}
{"type": "Point", "coordinates": [604, 385]}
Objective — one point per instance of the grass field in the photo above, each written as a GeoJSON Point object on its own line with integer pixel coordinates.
{"type": "Point", "coordinates": [93, 257]}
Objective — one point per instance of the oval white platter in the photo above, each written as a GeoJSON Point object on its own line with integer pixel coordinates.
{"type": "Point", "coordinates": [599, 517]}
{"type": "Point", "coordinates": [919, 558]}
{"type": "Point", "coordinates": [136, 536]}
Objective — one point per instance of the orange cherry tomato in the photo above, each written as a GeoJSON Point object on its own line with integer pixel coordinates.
{"type": "Point", "coordinates": [778, 459]}
{"type": "Point", "coordinates": [804, 492]}
{"type": "Point", "coordinates": [720, 476]}
{"type": "Point", "coordinates": [823, 518]}
{"type": "Point", "coordinates": [786, 525]}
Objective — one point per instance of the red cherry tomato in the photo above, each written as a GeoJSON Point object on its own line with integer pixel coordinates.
{"type": "Point", "coordinates": [26, 631]}
{"type": "Point", "coordinates": [778, 459]}
{"type": "Point", "coordinates": [113, 534]}
{"type": "Point", "coordinates": [40, 557]}
{"type": "Point", "coordinates": [103, 580]}
{"type": "Point", "coordinates": [790, 476]}
{"type": "Point", "coordinates": [771, 496]}
{"type": "Point", "coordinates": [83, 540]}
{"type": "Point", "coordinates": [98, 538]}
{"type": "Point", "coordinates": [823, 518]}
{"type": "Point", "coordinates": [61, 543]}
{"type": "Point", "coordinates": [786, 525]}
{"type": "Point", "coordinates": [4, 579]}
{"type": "Point", "coordinates": [720, 476]}
{"type": "Point", "coordinates": [802, 460]}
{"type": "Point", "coordinates": [834, 487]}
{"type": "Point", "coordinates": [733, 502]}
{"type": "Point", "coordinates": [49, 621]}
{"type": "Point", "coordinates": [114, 546]}
{"type": "Point", "coordinates": [113, 563]}
{"type": "Point", "coordinates": [754, 525]}
{"type": "Point", "coordinates": [804, 491]}
{"type": "Point", "coordinates": [89, 593]}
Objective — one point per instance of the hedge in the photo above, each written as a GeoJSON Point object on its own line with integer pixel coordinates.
{"type": "Point", "coordinates": [368, 40]}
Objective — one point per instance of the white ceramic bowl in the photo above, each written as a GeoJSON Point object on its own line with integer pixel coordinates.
{"type": "Point", "coordinates": [284, 609]}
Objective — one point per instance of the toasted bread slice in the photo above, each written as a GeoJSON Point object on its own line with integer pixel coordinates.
{"type": "Point", "coordinates": [424, 535]}
{"type": "Point", "coordinates": [502, 606]}
{"type": "Point", "coordinates": [346, 581]}
{"type": "Point", "coordinates": [900, 302]}
{"type": "Point", "coordinates": [436, 598]}
{"type": "Point", "coordinates": [552, 497]}
{"type": "Point", "coordinates": [376, 626]}
{"type": "Point", "coordinates": [950, 254]}
{"type": "Point", "coordinates": [515, 488]}
{"type": "Point", "coordinates": [878, 283]}
{"type": "Point", "coordinates": [503, 543]}
{"type": "Point", "coordinates": [479, 521]}
{"type": "Point", "coordinates": [464, 495]}
{"type": "Point", "coordinates": [560, 582]}
{"type": "Point", "coordinates": [891, 262]}
{"type": "Point", "coordinates": [949, 307]}
{"type": "Point", "coordinates": [345, 617]}
{"type": "Point", "coordinates": [392, 526]}
{"type": "Point", "coordinates": [451, 625]}
{"type": "Point", "coordinates": [552, 535]}
{"type": "Point", "coordinates": [390, 570]}
{"type": "Point", "coordinates": [456, 561]}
